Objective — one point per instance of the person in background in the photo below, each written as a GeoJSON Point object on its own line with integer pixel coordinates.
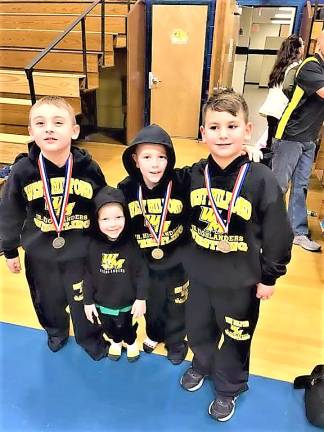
{"type": "Point", "coordinates": [281, 82]}
{"type": "Point", "coordinates": [294, 144]}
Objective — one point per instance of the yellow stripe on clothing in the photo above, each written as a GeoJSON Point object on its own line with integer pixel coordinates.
{"type": "Point", "coordinates": [296, 98]}
{"type": "Point", "coordinates": [298, 94]}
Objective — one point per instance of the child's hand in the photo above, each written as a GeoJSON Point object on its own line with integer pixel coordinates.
{"type": "Point", "coordinates": [253, 153]}
{"type": "Point", "coordinates": [91, 311]}
{"type": "Point", "coordinates": [264, 292]}
{"type": "Point", "coordinates": [139, 308]}
{"type": "Point", "coordinates": [14, 264]}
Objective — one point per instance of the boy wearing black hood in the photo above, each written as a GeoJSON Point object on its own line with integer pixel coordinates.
{"type": "Point", "coordinates": [116, 279]}
{"type": "Point", "coordinates": [46, 207]}
{"type": "Point", "coordinates": [156, 197]}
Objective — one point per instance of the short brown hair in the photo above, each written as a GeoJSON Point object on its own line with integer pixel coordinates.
{"type": "Point", "coordinates": [58, 101]}
{"type": "Point", "coordinates": [228, 100]}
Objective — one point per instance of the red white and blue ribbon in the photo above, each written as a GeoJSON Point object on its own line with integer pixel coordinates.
{"type": "Point", "coordinates": [57, 222]}
{"type": "Point", "coordinates": [157, 236]}
{"type": "Point", "coordinates": [235, 194]}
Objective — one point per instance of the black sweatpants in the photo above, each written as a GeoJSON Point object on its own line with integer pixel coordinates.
{"type": "Point", "coordinates": [165, 306]}
{"type": "Point", "coordinates": [119, 328]}
{"type": "Point", "coordinates": [54, 286]}
{"type": "Point", "coordinates": [220, 325]}
{"type": "Point", "coordinates": [272, 129]}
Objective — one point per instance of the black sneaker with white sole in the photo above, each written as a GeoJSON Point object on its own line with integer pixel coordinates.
{"type": "Point", "coordinates": [222, 408]}
{"type": "Point", "coordinates": [192, 380]}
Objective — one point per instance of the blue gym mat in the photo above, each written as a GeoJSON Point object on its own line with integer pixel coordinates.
{"type": "Point", "coordinates": [67, 391]}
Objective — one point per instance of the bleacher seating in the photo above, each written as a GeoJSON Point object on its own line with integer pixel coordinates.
{"type": "Point", "coordinates": [26, 28]}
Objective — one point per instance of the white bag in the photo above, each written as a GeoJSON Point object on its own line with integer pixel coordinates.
{"type": "Point", "coordinates": [275, 103]}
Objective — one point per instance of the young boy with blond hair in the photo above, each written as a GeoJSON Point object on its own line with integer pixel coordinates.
{"type": "Point", "coordinates": [241, 244]}
{"type": "Point", "coordinates": [46, 207]}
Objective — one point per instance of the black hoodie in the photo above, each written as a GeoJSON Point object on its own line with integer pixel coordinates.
{"type": "Point", "coordinates": [116, 273]}
{"type": "Point", "coordinates": [259, 231]}
{"type": "Point", "coordinates": [24, 218]}
{"type": "Point", "coordinates": [175, 232]}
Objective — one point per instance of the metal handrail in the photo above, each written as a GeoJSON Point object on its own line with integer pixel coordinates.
{"type": "Point", "coordinates": [30, 67]}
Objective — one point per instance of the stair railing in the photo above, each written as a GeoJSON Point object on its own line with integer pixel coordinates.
{"type": "Point", "coordinates": [30, 67]}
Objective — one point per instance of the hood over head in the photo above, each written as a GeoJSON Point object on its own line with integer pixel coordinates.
{"type": "Point", "coordinates": [152, 134]}
{"type": "Point", "coordinates": [108, 195]}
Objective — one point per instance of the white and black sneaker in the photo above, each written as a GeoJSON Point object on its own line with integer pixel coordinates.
{"type": "Point", "coordinates": [222, 408]}
{"type": "Point", "coordinates": [306, 243]}
{"type": "Point", "coordinates": [192, 380]}
{"type": "Point", "coordinates": [149, 345]}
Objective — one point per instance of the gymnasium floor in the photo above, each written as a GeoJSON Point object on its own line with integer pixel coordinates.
{"type": "Point", "coordinates": [67, 391]}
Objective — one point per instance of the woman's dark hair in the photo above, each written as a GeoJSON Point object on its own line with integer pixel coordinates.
{"type": "Point", "coordinates": [287, 54]}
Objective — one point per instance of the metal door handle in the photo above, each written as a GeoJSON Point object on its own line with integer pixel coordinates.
{"type": "Point", "coordinates": [153, 80]}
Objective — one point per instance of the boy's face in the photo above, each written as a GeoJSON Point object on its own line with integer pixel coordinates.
{"type": "Point", "coordinates": [225, 135]}
{"type": "Point", "coordinates": [151, 160]}
{"type": "Point", "coordinates": [111, 220]}
{"type": "Point", "coordinates": [52, 128]}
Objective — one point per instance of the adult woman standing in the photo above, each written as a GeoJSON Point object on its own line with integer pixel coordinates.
{"type": "Point", "coordinates": [281, 82]}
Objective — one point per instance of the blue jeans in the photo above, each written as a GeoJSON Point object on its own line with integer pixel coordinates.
{"type": "Point", "coordinates": [292, 162]}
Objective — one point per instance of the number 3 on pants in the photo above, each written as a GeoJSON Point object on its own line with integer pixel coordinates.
{"type": "Point", "coordinates": [183, 293]}
{"type": "Point", "coordinates": [78, 293]}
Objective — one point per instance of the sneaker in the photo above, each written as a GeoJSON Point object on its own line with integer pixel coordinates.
{"type": "Point", "coordinates": [306, 243]}
{"type": "Point", "coordinates": [177, 352]}
{"type": "Point", "coordinates": [149, 345]}
{"type": "Point", "coordinates": [133, 353]}
{"type": "Point", "coordinates": [192, 380]}
{"type": "Point", "coordinates": [55, 343]}
{"type": "Point", "coordinates": [222, 408]}
{"type": "Point", "coordinates": [114, 351]}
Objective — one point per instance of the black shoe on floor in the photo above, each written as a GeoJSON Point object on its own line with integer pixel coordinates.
{"type": "Point", "coordinates": [177, 352]}
{"type": "Point", "coordinates": [222, 408]}
{"type": "Point", "coordinates": [55, 343]}
{"type": "Point", "coordinates": [192, 380]}
{"type": "Point", "coordinates": [100, 353]}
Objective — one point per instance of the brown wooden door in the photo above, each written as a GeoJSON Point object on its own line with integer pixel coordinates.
{"type": "Point", "coordinates": [226, 30]}
{"type": "Point", "coordinates": [135, 69]}
{"type": "Point", "coordinates": [178, 46]}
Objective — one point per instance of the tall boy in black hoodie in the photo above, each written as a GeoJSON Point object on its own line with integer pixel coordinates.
{"type": "Point", "coordinates": [241, 244]}
{"type": "Point", "coordinates": [116, 280]}
{"type": "Point", "coordinates": [46, 207]}
{"type": "Point", "coordinates": [156, 197]}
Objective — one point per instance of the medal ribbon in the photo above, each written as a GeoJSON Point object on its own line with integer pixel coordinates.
{"type": "Point", "coordinates": [235, 194]}
{"type": "Point", "coordinates": [157, 236]}
{"type": "Point", "coordinates": [57, 222]}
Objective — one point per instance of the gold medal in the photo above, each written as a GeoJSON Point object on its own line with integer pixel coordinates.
{"type": "Point", "coordinates": [58, 242]}
{"type": "Point", "coordinates": [223, 246]}
{"type": "Point", "coordinates": [157, 253]}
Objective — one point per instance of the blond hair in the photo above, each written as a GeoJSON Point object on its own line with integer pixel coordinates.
{"type": "Point", "coordinates": [57, 101]}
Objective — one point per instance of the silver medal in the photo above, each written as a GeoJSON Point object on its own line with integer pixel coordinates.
{"type": "Point", "coordinates": [58, 242]}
